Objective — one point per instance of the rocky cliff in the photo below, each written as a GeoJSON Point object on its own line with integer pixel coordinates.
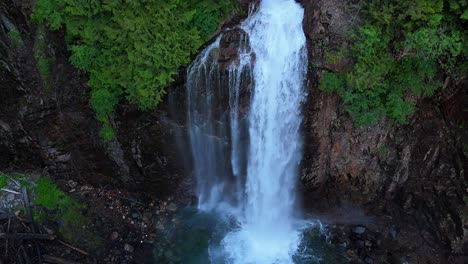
{"type": "Point", "coordinates": [411, 178]}
{"type": "Point", "coordinates": [47, 123]}
{"type": "Point", "coordinates": [412, 175]}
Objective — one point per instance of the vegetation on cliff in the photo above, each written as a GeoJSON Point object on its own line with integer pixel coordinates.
{"type": "Point", "coordinates": [131, 48]}
{"type": "Point", "coordinates": [398, 51]}
{"type": "Point", "coordinates": [49, 205]}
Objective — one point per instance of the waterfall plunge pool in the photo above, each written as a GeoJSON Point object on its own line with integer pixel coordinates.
{"type": "Point", "coordinates": [196, 237]}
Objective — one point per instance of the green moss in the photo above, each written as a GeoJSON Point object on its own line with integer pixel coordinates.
{"type": "Point", "coordinates": [107, 132]}
{"type": "Point", "coordinates": [55, 207]}
{"type": "Point", "coordinates": [3, 181]}
{"type": "Point", "coordinates": [383, 150]}
{"type": "Point", "coordinates": [15, 39]}
{"type": "Point", "coordinates": [62, 209]}
{"type": "Point", "coordinates": [43, 60]}
{"type": "Point", "coordinates": [18, 177]}
{"type": "Point", "coordinates": [43, 65]}
{"type": "Point", "coordinates": [49, 196]}
{"type": "Point", "coordinates": [335, 57]}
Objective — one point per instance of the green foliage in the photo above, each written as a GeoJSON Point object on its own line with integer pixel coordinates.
{"type": "Point", "coordinates": [15, 39]}
{"type": "Point", "coordinates": [107, 132]}
{"type": "Point", "coordinates": [43, 65]}
{"type": "Point", "coordinates": [208, 14]}
{"type": "Point", "coordinates": [131, 48]}
{"type": "Point", "coordinates": [43, 60]}
{"type": "Point", "coordinates": [49, 196]}
{"type": "Point", "coordinates": [397, 53]}
{"type": "Point", "coordinates": [55, 207]}
{"type": "Point", "coordinates": [60, 208]}
{"type": "Point", "coordinates": [332, 82]}
{"type": "Point", "coordinates": [3, 180]}
{"type": "Point", "coordinates": [18, 177]}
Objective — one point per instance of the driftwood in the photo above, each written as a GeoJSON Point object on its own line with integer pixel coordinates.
{"type": "Point", "coordinates": [26, 236]}
{"type": "Point", "coordinates": [57, 260]}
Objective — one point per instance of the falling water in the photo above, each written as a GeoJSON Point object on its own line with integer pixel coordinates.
{"type": "Point", "coordinates": [252, 180]}
{"type": "Point", "coordinates": [208, 135]}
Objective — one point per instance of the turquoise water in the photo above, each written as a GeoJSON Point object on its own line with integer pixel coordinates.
{"type": "Point", "coordinates": [195, 237]}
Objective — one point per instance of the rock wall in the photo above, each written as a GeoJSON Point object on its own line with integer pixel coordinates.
{"type": "Point", "coordinates": [48, 125]}
{"type": "Point", "coordinates": [414, 174]}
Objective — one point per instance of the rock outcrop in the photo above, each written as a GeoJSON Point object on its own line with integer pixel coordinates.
{"type": "Point", "coordinates": [47, 123]}
{"type": "Point", "coordinates": [413, 174]}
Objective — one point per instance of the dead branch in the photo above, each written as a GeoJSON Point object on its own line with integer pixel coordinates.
{"type": "Point", "coordinates": [74, 248]}
{"type": "Point", "coordinates": [57, 260]}
{"type": "Point", "coordinates": [10, 191]}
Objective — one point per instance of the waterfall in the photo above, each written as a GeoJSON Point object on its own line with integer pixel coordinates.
{"type": "Point", "coordinates": [252, 180]}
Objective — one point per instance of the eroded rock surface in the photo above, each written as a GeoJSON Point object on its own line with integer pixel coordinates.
{"type": "Point", "coordinates": [413, 174]}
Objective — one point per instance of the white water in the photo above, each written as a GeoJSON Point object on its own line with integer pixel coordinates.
{"type": "Point", "coordinates": [268, 233]}
{"type": "Point", "coordinates": [261, 193]}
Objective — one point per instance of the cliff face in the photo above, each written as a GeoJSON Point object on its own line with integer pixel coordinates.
{"type": "Point", "coordinates": [413, 176]}
{"type": "Point", "coordinates": [47, 123]}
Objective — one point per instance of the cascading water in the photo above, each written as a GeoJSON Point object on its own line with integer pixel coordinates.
{"type": "Point", "coordinates": [252, 180]}
{"type": "Point", "coordinates": [216, 134]}
{"type": "Point", "coordinates": [207, 138]}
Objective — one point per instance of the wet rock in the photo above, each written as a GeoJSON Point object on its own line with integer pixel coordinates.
{"type": "Point", "coordinates": [135, 215]}
{"type": "Point", "coordinates": [5, 127]}
{"type": "Point", "coordinates": [72, 184]}
{"type": "Point", "coordinates": [413, 172]}
{"type": "Point", "coordinates": [172, 207]}
{"type": "Point", "coordinates": [360, 244]}
{"type": "Point", "coordinates": [393, 232]}
{"type": "Point", "coordinates": [359, 230]}
{"type": "Point", "coordinates": [7, 23]}
{"type": "Point", "coordinates": [114, 235]}
{"type": "Point", "coordinates": [230, 44]}
{"type": "Point", "coordinates": [129, 248]}
{"type": "Point", "coordinates": [351, 253]}
{"type": "Point", "coordinates": [160, 226]}
{"type": "Point", "coordinates": [369, 260]}
{"type": "Point", "coordinates": [64, 158]}
{"type": "Point", "coordinates": [10, 197]}
{"type": "Point", "coordinates": [146, 216]}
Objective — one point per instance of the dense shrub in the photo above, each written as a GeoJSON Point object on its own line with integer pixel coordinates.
{"type": "Point", "coordinates": [397, 52]}
{"type": "Point", "coordinates": [131, 48]}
